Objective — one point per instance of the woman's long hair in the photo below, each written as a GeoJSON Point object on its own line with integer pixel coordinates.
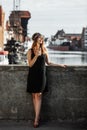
{"type": "Point", "coordinates": [43, 48]}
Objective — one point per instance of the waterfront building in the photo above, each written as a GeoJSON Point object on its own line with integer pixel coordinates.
{"type": "Point", "coordinates": [60, 34]}
{"type": "Point", "coordinates": [17, 24]}
{"type": "Point", "coordinates": [2, 17]}
{"type": "Point", "coordinates": [75, 39]}
{"type": "Point", "coordinates": [64, 42]}
{"type": "Point", "coordinates": [84, 38]}
{"type": "Point", "coordinates": [71, 36]}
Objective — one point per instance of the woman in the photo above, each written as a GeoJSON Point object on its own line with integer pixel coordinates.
{"type": "Point", "coordinates": [37, 57]}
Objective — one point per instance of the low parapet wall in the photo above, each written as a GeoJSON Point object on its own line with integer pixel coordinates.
{"type": "Point", "coordinates": [65, 100]}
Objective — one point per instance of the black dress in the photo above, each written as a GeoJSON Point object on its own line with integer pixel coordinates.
{"type": "Point", "coordinates": [36, 81]}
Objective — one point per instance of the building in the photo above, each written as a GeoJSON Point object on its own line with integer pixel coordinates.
{"type": "Point", "coordinates": [84, 38]}
{"type": "Point", "coordinates": [2, 17]}
{"type": "Point", "coordinates": [60, 34]}
{"type": "Point", "coordinates": [17, 25]}
{"type": "Point", "coordinates": [71, 40]}
{"type": "Point", "coordinates": [71, 36]}
{"type": "Point", "coordinates": [75, 39]}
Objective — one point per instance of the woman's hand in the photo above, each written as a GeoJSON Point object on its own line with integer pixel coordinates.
{"type": "Point", "coordinates": [64, 66]}
{"type": "Point", "coordinates": [37, 52]}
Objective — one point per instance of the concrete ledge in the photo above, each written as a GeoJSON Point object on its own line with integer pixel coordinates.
{"type": "Point", "coordinates": [66, 99]}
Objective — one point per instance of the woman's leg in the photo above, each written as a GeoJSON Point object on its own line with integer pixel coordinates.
{"type": "Point", "coordinates": [33, 97]}
{"type": "Point", "coordinates": [38, 102]}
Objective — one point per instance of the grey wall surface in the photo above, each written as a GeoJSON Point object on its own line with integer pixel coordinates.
{"type": "Point", "coordinates": [65, 100]}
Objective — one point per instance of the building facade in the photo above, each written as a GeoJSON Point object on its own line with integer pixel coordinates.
{"type": "Point", "coordinates": [84, 37]}
{"type": "Point", "coordinates": [2, 17]}
{"type": "Point", "coordinates": [17, 25]}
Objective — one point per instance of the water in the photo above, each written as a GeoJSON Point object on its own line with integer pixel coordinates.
{"type": "Point", "coordinates": [68, 57]}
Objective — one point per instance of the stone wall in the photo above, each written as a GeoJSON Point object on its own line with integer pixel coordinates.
{"type": "Point", "coordinates": [66, 99]}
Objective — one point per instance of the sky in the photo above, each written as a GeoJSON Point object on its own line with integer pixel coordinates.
{"type": "Point", "coordinates": [49, 16]}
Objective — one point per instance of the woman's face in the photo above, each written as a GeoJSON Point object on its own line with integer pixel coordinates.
{"type": "Point", "coordinates": [39, 40]}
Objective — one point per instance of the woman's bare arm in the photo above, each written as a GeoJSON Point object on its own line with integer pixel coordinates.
{"type": "Point", "coordinates": [53, 64]}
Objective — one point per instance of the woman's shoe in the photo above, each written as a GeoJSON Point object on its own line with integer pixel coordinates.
{"type": "Point", "coordinates": [36, 124]}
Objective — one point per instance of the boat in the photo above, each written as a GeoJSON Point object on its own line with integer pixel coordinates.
{"type": "Point", "coordinates": [59, 47]}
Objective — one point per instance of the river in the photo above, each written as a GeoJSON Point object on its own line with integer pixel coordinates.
{"type": "Point", "coordinates": [68, 57]}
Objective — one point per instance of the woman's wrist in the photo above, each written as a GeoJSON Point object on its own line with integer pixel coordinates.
{"type": "Point", "coordinates": [35, 57]}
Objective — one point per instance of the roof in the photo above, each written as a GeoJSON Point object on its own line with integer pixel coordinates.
{"type": "Point", "coordinates": [21, 14]}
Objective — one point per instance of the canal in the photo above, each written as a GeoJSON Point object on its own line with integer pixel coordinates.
{"type": "Point", "coordinates": [68, 57]}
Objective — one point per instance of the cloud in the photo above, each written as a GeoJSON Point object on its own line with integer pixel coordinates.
{"type": "Point", "coordinates": [48, 16]}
